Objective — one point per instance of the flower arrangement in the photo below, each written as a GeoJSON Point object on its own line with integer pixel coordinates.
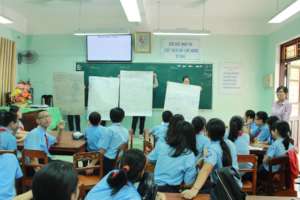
{"type": "Point", "coordinates": [21, 94]}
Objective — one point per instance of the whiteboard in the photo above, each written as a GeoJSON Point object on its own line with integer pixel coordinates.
{"type": "Point", "coordinates": [136, 91]}
{"type": "Point", "coordinates": [182, 99]}
{"type": "Point", "coordinates": [69, 92]}
{"type": "Point", "coordinates": [103, 95]}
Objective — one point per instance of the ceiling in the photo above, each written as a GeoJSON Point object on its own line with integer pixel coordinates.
{"type": "Point", "coordinates": [245, 17]}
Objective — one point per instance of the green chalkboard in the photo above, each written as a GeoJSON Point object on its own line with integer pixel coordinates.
{"type": "Point", "coordinates": [200, 74]}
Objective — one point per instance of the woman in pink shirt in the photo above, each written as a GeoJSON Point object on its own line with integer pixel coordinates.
{"type": "Point", "coordinates": [282, 108]}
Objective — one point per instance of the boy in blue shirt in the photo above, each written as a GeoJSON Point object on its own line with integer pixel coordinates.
{"type": "Point", "coordinates": [159, 132]}
{"type": "Point", "coordinates": [94, 132]}
{"type": "Point", "coordinates": [112, 139]}
{"type": "Point", "coordinates": [8, 126]}
{"type": "Point", "coordinates": [38, 138]}
{"type": "Point", "coordinates": [261, 133]}
{"type": "Point", "coordinates": [9, 171]}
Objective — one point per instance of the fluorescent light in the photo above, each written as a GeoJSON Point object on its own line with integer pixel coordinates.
{"type": "Point", "coordinates": [5, 20]}
{"type": "Point", "coordinates": [85, 34]}
{"type": "Point", "coordinates": [131, 10]}
{"type": "Point", "coordinates": [200, 33]}
{"type": "Point", "coordinates": [286, 13]}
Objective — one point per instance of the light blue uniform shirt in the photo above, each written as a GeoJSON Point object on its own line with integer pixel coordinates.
{"type": "Point", "coordinates": [263, 133]}
{"type": "Point", "coordinates": [172, 170]}
{"type": "Point", "coordinates": [253, 127]}
{"type": "Point", "coordinates": [36, 140]}
{"type": "Point", "coordinates": [9, 171]}
{"type": "Point", "coordinates": [93, 134]}
{"type": "Point", "coordinates": [103, 191]}
{"type": "Point", "coordinates": [276, 150]}
{"type": "Point", "coordinates": [7, 140]}
{"type": "Point", "coordinates": [112, 139]}
{"type": "Point", "coordinates": [202, 142]}
{"type": "Point", "coordinates": [159, 132]}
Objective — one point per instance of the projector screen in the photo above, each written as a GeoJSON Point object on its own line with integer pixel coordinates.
{"type": "Point", "coordinates": [109, 47]}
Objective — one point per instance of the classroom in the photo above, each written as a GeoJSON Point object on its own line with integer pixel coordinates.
{"type": "Point", "coordinates": [144, 99]}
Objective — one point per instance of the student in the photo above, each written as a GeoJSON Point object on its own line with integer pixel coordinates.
{"type": "Point", "coordinates": [159, 132]}
{"type": "Point", "coordinates": [175, 160]}
{"type": "Point", "coordinates": [94, 132]}
{"type": "Point", "coordinates": [39, 138]}
{"type": "Point", "coordinates": [20, 132]}
{"type": "Point", "coordinates": [202, 142]}
{"type": "Point", "coordinates": [175, 119]}
{"type": "Point", "coordinates": [240, 139]}
{"type": "Point", "coordinates": [250, 120]}
{"type": "Point", "coordinates": [271, 121]}
{"type": "Point", "coordinates": [9, 171]}
{"type": "Point", "coordinates": [221, 153]}
{"type": "Point", "coordinates": [8, 125]}
{"type": "Point", "coordinates": [119, 184]}
{"type": "Point", "coordinates": [58, 180]}
{"type": "Point", "coordinates": [281, 133]}
{"type": "Point", "coordinates": [261, 133]}
{"type": "Point", "coordinates": [115, 136]}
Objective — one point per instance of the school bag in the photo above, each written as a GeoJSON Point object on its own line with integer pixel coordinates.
{"type": "Point", "coordinates": [226, 186]}
{"type": "Point", "coordinates": [147, 187]}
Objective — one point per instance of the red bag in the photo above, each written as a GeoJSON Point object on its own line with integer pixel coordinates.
{"type": "Point", "coordinates": [294, 166]}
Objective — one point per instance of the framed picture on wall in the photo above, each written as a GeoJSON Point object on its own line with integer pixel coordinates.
{"type": "Point", "coordinates": [142, 42]}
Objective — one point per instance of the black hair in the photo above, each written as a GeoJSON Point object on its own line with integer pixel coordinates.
{"type": "Point", "coordinates": [284, 131]}
{"type": "Point", "coordinates": [235, 127]}
{"type": "Point", "coordinates": [117, 115]}
{"type": "Point", "coordinates": [262, 115]}
{"type": "Point", "coordinates": [250, 114]}
{"type": "Point", "coordinates": [57, 180]}
{"type": "Point", "coordinates": [7, 118]}
{"type": "Point", "coordinates": [175, 119]}
{"type": "Point", "coordinates": [14, 108]}
{"type": "Point", "coordinates": [199, 123]}
{"type": "Point", "coordinates": [167, 116]}
{"type": "Point", "coordinates": [135, 160]}
{"type": "Point", "coordinates": [185, 76]}
{"type": "Point", "coordinates": [285, 89]}
{"type": "Point", "coordinates": [183, 139]}
{"type": "Point", "coordinates": [95, 118]}
{"type": "Point", "coordinates": [216, 131]}
{"type": "Point", "coordinates": [272, 120]}
{"type": "Point", "coordinates": [2, 116]}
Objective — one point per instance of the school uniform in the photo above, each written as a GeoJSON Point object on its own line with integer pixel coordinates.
{"type": "Point", "coordinates": [103, 191]}
{"type": "Point", "coordinates": [159, 132]}
{"type": "Point", "coordinates": [9, 171]}
{"type": "Point", "coordinates": [277, 149]}
{"type": "Point", "coordinates": [170, 171]}
{"type": "Point", "coordinates": [7, 140]}
{"type": "Point", "coordinates": [93, 134]}
{"type": "Point", "coordinates": [39, 139]}
{"type": "Point", "coordinates": [202, 143]}
{"type": "Point", "coordinates": [262, 133]}
{"type": "Point", "coordinates": [252, 127]}
{"type": "Point", "coordinates": [112, 139]}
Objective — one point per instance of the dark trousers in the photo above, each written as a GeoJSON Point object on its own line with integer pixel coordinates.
{"type": "Point", "coordinates": [108, 165]}
{"type": "Point", "coordinates": [169, 188]}
{"type": "Point", "coordinates": [134, 123]}
{"type": "Point", "coordinates": [71, 122]}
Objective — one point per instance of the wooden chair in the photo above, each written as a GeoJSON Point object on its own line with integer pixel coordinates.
{"type": "Point", "coordinates": [80, 162]}
{"type": "Point", "coordinates": [29, 167]}
{"type": "Point", "coordinates": [121, 150]}
{"type": "Point", "coordinates": [148, 143]}
{"type": "Point", "coordinates": [249, 186]}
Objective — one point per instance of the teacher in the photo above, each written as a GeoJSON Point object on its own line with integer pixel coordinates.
{"type": "Point", "coordinates": [282, 108]}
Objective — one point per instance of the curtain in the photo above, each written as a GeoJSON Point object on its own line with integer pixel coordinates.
{"type": "Point", "coordinates": [7, 68]}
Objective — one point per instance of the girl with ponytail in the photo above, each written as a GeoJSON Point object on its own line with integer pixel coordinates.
{"type": "Point", "coordinates": [281, 133]}
{"type": "Point", "coordinates": [221, 153]}
{"type": "Point", "coordinates": [118, 184]}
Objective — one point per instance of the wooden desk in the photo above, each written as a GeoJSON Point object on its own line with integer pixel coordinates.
{"type": "Point", "coordinates": [259, 152]}
{"type": "Point", "coordinates": [177, 196]}
{"type": "Point", "coordinates": [67, 146]}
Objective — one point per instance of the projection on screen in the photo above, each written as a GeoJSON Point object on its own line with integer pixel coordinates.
{"type": "Point", "coordinates": [109, 47]}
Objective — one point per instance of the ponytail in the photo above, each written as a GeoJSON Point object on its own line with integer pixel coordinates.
{"type": "Point", "coordinates": [283, 128]}
{"type": "Point", "coordinates": [117, 180]}
{"type": "Point", "coordinates": [226, 157]}
{"type": "Point", "coordinates": [235, 127]}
